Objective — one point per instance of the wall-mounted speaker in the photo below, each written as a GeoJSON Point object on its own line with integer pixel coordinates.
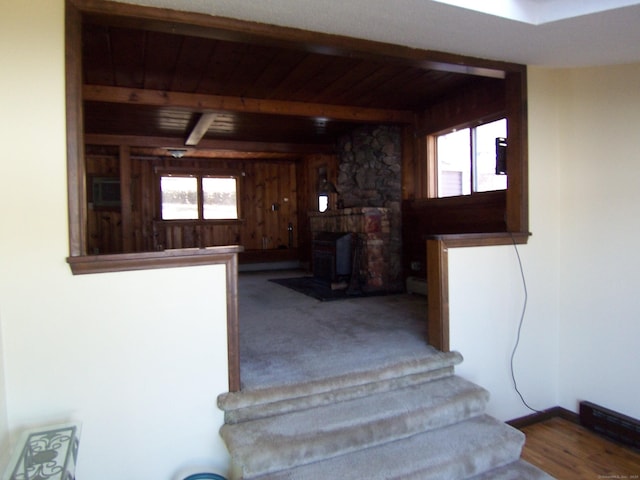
{"type": "Point", "coordinates": [501, 156]}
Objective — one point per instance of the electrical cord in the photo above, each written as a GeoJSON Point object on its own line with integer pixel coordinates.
{"type": "Point", "coordinates": [524, 310]}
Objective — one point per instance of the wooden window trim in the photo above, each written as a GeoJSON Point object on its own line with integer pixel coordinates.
{"type": "Point", "coordinates": [183, 222]}
{"type": "Point", "coordinates": [199, 173]}
{"type": "Point", "coordinates": [431, 152]}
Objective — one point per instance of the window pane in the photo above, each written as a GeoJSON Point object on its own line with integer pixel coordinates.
{"type": "Point", "coordinates": [454, 163]}
{"type": "Point", "coordinates": [220, 198]}
{"type": "Point", "coordinates": [179, 198]}
{"type": "Point", "coordinates": [486, 178]}
{"type": "Point", "coordinates": [323, 203]}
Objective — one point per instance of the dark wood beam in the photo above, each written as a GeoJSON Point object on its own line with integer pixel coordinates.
{"type": "Point", "coordinates": [209, 145]}
{"type": "Point", "coordinates": [221, 28]}
{"type": "Point", "coordinates": [200, 102]}
{"type": "Point", "coordinates": [150, 152]}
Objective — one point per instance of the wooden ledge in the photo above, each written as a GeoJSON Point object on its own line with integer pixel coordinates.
{"type": "Point", "coordinates": [123, 262]}
{"type": "Point", "coordinates": [481, 239]}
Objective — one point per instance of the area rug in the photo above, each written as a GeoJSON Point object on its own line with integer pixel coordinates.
{"type": "Point", "coordinates": [321, 290]}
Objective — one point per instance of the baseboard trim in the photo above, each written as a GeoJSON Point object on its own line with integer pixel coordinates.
{"type": "Point", "coordinates": [543, 415]}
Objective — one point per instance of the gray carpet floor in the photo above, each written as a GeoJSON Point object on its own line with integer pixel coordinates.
{"type": "Point", "coordinates": [287, 337]}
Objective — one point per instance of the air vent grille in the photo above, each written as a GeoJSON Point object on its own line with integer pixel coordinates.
{"type": "Point", "coordinates": [614, 425]}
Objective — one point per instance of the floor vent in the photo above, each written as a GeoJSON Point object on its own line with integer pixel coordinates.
{"type": "Point", "coordinates": [613, 425]}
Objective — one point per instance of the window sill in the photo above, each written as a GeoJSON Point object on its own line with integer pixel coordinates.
{"type": "Point", "coordinates": [123, 262]}
{"type": "Point", "coordinates": [455, 200]}
{"type": "Point", "coordinates": [224, 221]}
{"type": "Point", "coordinates": [482, 239]}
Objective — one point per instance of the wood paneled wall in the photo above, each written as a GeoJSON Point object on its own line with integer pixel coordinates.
{"type": "Point", "coordinates": [104, 225]}
{"type": "Point", "coordinates": [478, 101]}
{"type": "Point", "coordinates": [275, 193]}
{"type": "Point", "coordinates": [480, 213]}
{"type": "Point", "coordinates": [268, 204]}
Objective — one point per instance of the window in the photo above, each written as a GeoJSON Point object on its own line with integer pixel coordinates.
{"type": "Point", "coordinates": [323, 202]}
{"type": "Point", "coordinates": [466, 160]}
{"type": "Point", "coordinates": [198, 197]}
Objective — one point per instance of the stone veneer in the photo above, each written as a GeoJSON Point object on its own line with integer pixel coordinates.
{"type": "Point", "coordinates": [370, 175]}
{"type": "Point", "coordinates": [370, 168]}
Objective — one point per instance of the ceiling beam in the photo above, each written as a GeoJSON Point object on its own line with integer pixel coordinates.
{"type": "Point", "coordinates": [140, 153]}
{"type": "Point", "coordinates": [201, 102]}
{"type": "Point", "coordinates": [199, 130]}
{"type": "Point", "coordinates": [219, 145]}
{"type": "Point", "coordinates": [235, 30]}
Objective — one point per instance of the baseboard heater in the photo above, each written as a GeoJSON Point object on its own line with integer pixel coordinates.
{"type": "Point", "coordinates": [613, 425]}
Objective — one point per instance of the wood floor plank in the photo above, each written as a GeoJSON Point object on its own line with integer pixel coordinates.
{"type": "Point", "coordinates": [569, 451]}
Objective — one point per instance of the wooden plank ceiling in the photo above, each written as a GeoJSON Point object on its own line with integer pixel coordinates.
{"type": "Point", "coordinates": [158, 88]}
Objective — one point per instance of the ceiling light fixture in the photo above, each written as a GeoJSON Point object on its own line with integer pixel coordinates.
{"type": "Point", "coordinates": [177, 152]}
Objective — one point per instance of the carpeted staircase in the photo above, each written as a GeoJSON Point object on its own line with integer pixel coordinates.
{"type": "Point", "coordinates": [411, 420]}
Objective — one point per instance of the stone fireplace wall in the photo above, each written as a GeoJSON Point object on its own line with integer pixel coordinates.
{"type": "Point", "coordinates": [370, 175]}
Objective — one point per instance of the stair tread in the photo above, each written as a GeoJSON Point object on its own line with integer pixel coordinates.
{"type": "Point", "coordinates": [286, 405]}
{"type": "Point", "coordinates": [518, 470]}
{"type": "Point", "coordinates": [462, 450]}
{"type": "Point", "coordinates": [347, 426]}
{"type": "Point", "coordinates": [230, 401]}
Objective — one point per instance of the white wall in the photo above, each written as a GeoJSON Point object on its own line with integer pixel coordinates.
{"type": "Point", "coordinates": [4, 419]}
{"type": "Point", "coordinates": [600, 261]}
{"type": "Point", "coordinates": [579, 340]}
{"type": "Point", "coordinates": [139, 357]}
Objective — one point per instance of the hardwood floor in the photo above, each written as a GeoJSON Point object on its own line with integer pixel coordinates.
{"type": "Point", "coordinates": [569, 451]}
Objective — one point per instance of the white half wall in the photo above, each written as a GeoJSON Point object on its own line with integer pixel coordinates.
{"type": "Point", "coordinates": [138, 357]}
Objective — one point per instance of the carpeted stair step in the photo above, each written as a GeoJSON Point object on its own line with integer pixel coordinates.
{"type": "Point", "coordinates": [519, 470]}
{"type": "Point", "coordinates": [285, 441]}
{"type": "Point", "coordinates": [253, 404]}
{"type": "Point", "coordinates": [459, 451]}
